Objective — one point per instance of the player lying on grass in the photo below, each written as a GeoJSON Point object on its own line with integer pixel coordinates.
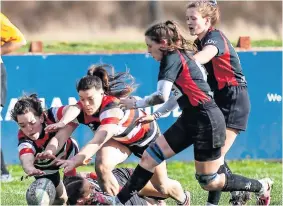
{"type": "Point", "coordinates": [84, 189]}
{"type": "Point", "coordinates": [32, 119]}
{"type": "Point", "coordinates": [117, 134]}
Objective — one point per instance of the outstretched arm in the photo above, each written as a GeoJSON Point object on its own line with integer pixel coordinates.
{"type": "Point", "coordinates": [56, 143]}
{"type": "Point", "coordinates": [109, 127]}
{"type": "Point", "coordinates": [69, 114]}
{"type": "Point", "coordinates": [169, 105]}
{"type": "Point", "coordinates": [160, 96]}
{"type": "Point", "coordinates": [102, 135]}
{"type": "Point", "coordinates": [27, 161]}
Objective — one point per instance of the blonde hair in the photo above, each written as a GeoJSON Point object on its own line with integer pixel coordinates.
{"type": "Point", "coordinates": [207, 9]}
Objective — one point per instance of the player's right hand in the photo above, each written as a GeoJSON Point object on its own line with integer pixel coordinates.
{"type": "Point", "coordinates": [145, 119]}
{"type": "Point", "coordinates": [54, 127]}
{"type": "Point", "coordinates": [45, 155]}
{"type": "Point", "coordinates": [68, 165]}
{"type": "Point", "coordinates": [35, 172]}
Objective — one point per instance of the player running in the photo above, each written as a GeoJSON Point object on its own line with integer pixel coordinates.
{"type": "Point", "coordinates": [201, 122]}
{"type": "Point", "coordinates": [117, 134]}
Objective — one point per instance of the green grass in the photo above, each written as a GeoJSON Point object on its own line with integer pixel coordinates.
{"type": "Point", "coordinates": [96, 47]}
{"type": "Point", "coordinates": [13, 193]}
{"type": "Point", "coordinates": [267, 43]}
{"type": "Point", "coordinates": [90, 47]}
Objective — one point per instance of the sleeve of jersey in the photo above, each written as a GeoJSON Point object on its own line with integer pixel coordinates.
{"type": "Point", "coordinates": [215, 38]}
{"type": "Point", "coordinates": [9, 32]}
{"type": "Point", "coordinates": [55, 114]}
{"type": "Point", "coordinates": [26, 148]}
{"type": "Point", "coordinates": [111, 116]}
{"type": "Point", "coordinates": [170, 66]}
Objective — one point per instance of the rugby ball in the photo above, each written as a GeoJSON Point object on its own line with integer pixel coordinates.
{"type": "Point", "coordinates": [41, 192]}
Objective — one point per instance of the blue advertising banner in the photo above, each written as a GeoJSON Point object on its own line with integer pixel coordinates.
{"type": "Point", "coordinates": [53, 78]}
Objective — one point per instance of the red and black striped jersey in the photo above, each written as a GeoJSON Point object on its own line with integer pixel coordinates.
{"type": "Point", "coordinates": [225, 68]}
{"type": "Point", "coordinates": [26, 145]}
{"type": "Point", "coordinates": [188, 78]}
{"type": "Point", "coordinates": [128, 131]}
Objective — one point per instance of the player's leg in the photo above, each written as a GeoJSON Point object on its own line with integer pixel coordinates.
{"type": "Point", "coordinates": [208, 160]}
{"type": "Point", "coordinates": [166, 146]}
{"type": "Point", "coordinates": [167, 186]}
{"type": "Point", "coordinates": [61, 194]}
{"type": "Point", "coordinates": [210, 180]}
{"type": "Point", "coordinates": [214, 196]}
{"type": "Point", "coordinates": [5, 175]}
{"type": "Point", "coordinates": [107, 158]}
{"type": "Point", "coordinates": [235, 105]}
{"type": "Point", "coordinates": [147, 193]}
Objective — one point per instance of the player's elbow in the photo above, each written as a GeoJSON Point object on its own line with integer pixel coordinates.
{"type": "Point", "coordinates": [202, 59]}
{"type": "Point", "coordinates": [157, 99]}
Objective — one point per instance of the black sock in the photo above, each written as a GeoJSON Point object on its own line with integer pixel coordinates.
{"type": "Point", "coordinates": [228, 171]}
{"type": "Point", "coordinates": [4, 170]}
{"type": "Point", "coordinates": [214, 196]}
{"type": "Point", "coordinates": [136, 182]}
{"type": "Point", "coordinates": [240, 183]}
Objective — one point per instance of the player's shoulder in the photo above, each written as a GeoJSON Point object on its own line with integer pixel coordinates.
{"type": "Point", "coordinates": [212, 34]}
{"type": "Point", "coordinates": [170, 59]}
{"type": "Point", "coordinates": [22, 138]}
{"type": "Point", "coordinates": [21, 135]}
{"type": "Point", "coordinates": [54, 114]}
{"type": "Point", "coordinates": [109, 102]}
{"type": "Point", "coordinates": [171, 56]}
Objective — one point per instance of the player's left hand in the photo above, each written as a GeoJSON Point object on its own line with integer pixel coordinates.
{"type": "Point", "coordinates": [54, 127]}
{"type": "Point", "coordinates": [34, 172]}
{"type": "Point", "coordinates": [68, 165]}
{"type": "Point", "coordinates": [145, 119]}
{"type": "Point", "coordinates": [45, 155]}
{"type": "Point", "coordinates": [128, 103]}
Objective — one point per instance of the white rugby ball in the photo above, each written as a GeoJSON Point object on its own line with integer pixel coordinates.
{"type": "Point", "coordinates": [41, 192]}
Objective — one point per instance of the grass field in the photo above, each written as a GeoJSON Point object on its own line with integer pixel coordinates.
{"type": "Point", "coordinates": [86, 47]}
{"type": "Point", "coordinates": [13, 193]}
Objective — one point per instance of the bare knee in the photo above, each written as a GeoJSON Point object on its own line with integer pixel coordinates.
{"type": "Point", "coordinates": [209, 182]}
{"type": "Point", "coordinates": [152, 157]}
{"type": "Point", "coordinates": [61, 195]}
{"type": "Point", "coordinates": [105, 178]}
{"type": "Point", "coordinates": [102, 169]}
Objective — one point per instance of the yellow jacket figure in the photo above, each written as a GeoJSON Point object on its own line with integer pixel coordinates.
{"type": "Point", "coordinates": [11, 40]}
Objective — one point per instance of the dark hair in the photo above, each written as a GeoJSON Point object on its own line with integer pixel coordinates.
{"type": "Point", "coordinates": [120, 84]}
{"type": "Point", "coordinates": [171, 32]}
{"type": "Point", "coordinates": [26, 104]}
{"type": "Point", "coordinates": [207, 9]}
{"type": "Point", "coordinates": [74, 188]}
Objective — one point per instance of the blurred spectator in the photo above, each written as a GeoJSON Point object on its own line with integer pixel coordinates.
{"type": "Point", "coordinates": [11, 40]}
